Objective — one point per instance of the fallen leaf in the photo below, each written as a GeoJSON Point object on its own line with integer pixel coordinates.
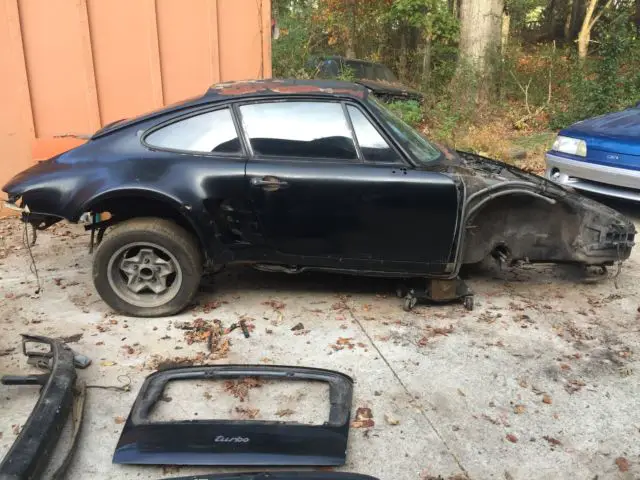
{"type": "Point", "coordinates": [512, 438]}
{"type": "Point", "coordinates": [519, 409]}
{"type": "Point", "coordinates": [107, 363]}
{"type": "Point", "coordinates": [119, 420]}
{"type": "Point", "coordinates": [390, 419]}
{"type": "Point", "coordinates": [240, 388]}
{"type": "Point", "coordinates": [552, 441]}
{"type": "Point", "coordinates": [547, 399]}
{"type": "Point", "coordinates": [298, 326]}
{"type": "Point", "coordinates": [364, 418]}
{"type": "Point", "coordinates": [250, 413]}
{"type": "Point", "coordinates": [284, 412]}
{"type": "Point", "coordinates": [275, 304]}
{"type": "Point", "coordinates": [623, 464]}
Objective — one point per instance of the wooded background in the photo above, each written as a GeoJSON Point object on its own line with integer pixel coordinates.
{"type": "Point", "coordinates": [522, 67]}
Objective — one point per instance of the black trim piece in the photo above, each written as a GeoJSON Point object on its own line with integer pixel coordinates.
{"type": "Point", "coordinates": [278, 476]}
{"type": "Point", "coordinates": [232, 442]}
{"type": "Point", "coordinates": [31, 451]}
{"type": "Point", "coordinates": [354, 137]}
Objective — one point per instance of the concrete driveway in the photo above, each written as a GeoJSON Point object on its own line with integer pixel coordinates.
{"type": "Point", "coordinates": [540, 381]}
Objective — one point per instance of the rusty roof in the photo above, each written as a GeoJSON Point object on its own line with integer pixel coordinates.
{"type": "Point", "coordinates": [287, 87]}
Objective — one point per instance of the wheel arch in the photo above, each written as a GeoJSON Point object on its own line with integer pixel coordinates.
{"type": "Point", "coordinates": [526, 224]}
{"type": "Point", "coordinates": [124, 204]}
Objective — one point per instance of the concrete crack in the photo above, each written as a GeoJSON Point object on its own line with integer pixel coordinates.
{"type": "Point", "coordinates": [406, 389]}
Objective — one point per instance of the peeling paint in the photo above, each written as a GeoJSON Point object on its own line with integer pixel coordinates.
{"type": "Point", "coordinates": [287, 87]}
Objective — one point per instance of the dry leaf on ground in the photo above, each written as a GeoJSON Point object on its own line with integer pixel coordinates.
{"type": "Point", "coordinates": [623, 464]}
{"type": "Point", "coordinates": [364, 418]}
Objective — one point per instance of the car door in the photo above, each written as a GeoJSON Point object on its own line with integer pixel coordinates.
{"type": "Point", "coordinates": [321, 200]}
{"type": "Point", "coordinates": [202, 161]}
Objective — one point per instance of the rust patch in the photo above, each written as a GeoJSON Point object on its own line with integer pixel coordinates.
{"type": "Point", "coordinates": [241, 89]}
{"type": "Point", "coordinates": [279, 86]}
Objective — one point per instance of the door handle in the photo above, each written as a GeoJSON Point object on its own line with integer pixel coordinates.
{"type": "Point", "coordinates": [269, 183]}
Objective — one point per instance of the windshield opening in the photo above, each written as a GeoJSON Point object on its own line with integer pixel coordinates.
{"type": "Point", "coordinates": [419, 147]}
{"type": "Point", "coordinates": [371, 71]}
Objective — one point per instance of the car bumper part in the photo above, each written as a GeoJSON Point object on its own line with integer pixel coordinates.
{"type": "Point", "coordinates": [590, 177]}
{"type": "Point", "coordinates": [227, 442]}
{"type": "Point", "coordinates": [278, 476]}
{"type": "Point", "coordinates": [30, 453]}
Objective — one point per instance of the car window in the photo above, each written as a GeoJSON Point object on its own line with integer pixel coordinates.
{"type": "Point", "coordinates": [373, 146]}
{"type": "Point", "coordinates": [299, 129]}
{"type": "Point", "coordinates": [419, 147]}
{"type": "Point", "coordinates": [211, 132]}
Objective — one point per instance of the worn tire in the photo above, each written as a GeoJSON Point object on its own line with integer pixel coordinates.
{"type": "Point", "coordinates": [164, 233]}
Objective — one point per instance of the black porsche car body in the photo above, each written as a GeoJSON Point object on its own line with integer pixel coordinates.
{"type": "Point", "coordinates": [292, 176]}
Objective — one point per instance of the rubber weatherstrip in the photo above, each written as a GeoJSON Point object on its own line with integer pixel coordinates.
{"type": "Point", "coordinates": [236, 442]}
{"type": "Point", "coordinates": [278, 476]}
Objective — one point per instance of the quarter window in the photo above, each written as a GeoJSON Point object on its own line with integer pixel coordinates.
{"type": "Point", "coordinates": [373, 146]}
{"type": "Point", "coordinates": [211, 132]}
{"type": "Point", "coordinates": [299, 129]}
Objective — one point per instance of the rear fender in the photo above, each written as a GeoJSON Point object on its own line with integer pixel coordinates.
{"type": "Point", "coordinates": [134, 202]}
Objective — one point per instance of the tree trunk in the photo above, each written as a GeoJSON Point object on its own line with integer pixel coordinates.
{"type": "Point", "coordinates": [568, 24]}
{"type": "Point", "coordinates": [426, 60]}
{"type": "Point", "coordinates": [403, 53]}
{"type": "Point", "coordinates": [584, 37]}
{"type": "Point", "coordinates": [351, 29]}
{"type": "Point", "coordinates": [480, 33]}
{"type": "Point", "coordinates": [638, 15]}
{"type": "Point", "coordinates": [506, 30]}
{"type": "Point", "coordinates": [552, 19]}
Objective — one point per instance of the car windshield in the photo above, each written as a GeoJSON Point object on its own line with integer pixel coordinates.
{"type": "Point", "coordinates": [421, 149]}
{"type": "Point", "coordinates": [371, 71]}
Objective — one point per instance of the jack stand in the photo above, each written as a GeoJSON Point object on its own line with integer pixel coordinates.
{"type": "Point", "coordinates": [436, 291]}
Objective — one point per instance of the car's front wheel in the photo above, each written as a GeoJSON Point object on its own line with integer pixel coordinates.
{"type": "Point", "coordinates": [147, 267]}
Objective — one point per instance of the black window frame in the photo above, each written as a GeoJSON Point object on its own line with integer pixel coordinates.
{"type": "Point", "coordinates": [374, 123]}
{"type": "Point", "coordinates": [319, 160]}
{"type": "Point", "coordinates": [242, 154]}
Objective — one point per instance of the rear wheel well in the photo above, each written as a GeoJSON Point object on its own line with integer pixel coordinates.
{"type": "Point", "coordinates": [118, 209]}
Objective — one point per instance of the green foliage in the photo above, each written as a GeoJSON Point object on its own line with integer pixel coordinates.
{"type": "Point", "coordinates": [608, 82]}
{"type": "Point", "coordinates": [431, 17]}
{"type": "Point", "coordinates": [299, 38]}
{"type": "Point", "coordinates": [346, 74]}
{"type": "Point", "coordinates": [409, 110]}
{"type": "Point", "coordinates": [536, 62]}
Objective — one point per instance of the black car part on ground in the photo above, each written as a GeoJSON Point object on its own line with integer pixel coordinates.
{"type": "Point", "coordinates": [278, 476]}
{"type": "Point", "coordinates": [236, 442]}
{"type": "Point", "coordinates": [31, 452]}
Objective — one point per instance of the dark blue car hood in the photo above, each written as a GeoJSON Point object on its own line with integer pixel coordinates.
{"type": "Point", "coordinates": [617, 132]}
{"type": "Point", "coordinates": [624, 124]}
{"type": "Point", "coordinates": [612, 139]}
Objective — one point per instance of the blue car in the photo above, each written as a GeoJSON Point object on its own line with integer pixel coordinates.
{"type": "Point", "coordinates": [599, 155]}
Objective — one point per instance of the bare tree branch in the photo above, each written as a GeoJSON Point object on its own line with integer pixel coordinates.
{"type": "Point", "coordinates": [599, 14]}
